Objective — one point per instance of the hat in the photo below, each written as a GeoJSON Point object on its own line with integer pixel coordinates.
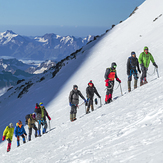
{"type": "Point", "coordinates": [90, 81]}
{"type": "Point", "coordinates": [145, 47]}
{"type": "Point", "coordinates": [75, 86]}
{"type": "Point", "coordinates": [33, 115]}
{"type": "Point", "coordinates": [41, 104]}
{"type": "Point", "coordinates": [10, 125]}
{"type": "Point", "coordinates": [133, 53]}
{"type": "Point", "coordinates": [20, 122]}
{"type": "Point", "coordinates": [113, 65]}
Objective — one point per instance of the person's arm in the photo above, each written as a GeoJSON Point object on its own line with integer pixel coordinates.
{"type": "Point", "coordinates": [138, 66]}
{"type": "Point", "coordinates": [140, 60]}
{"type": "Point", "coordinates": [128, 66]}
{"type": "Point", "coordinates": [80, 94]}
{"type": "Point", "coordinates": [95, 90]}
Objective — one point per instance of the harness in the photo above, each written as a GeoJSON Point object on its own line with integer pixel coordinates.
{"type": "Point", "coordinates": [133, 71]}
{"type": "Point", "coordinates": [111, 75]}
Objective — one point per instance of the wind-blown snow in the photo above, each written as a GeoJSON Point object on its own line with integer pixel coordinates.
{"type": "Point", "coordinates": [128, 130]}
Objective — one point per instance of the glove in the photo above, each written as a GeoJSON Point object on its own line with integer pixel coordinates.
{"type": "Point", "coordinates": [99, 96]}
{"type": "Point", "coordinates": [49, 118]}
{"type": "Point", "coordinates": [139, 71]}
{"type": "Point", "coordinates": [25, 134]}
{"type": "Point", "coordinates": [118, 80]}
{"type": "Point", "coordinates": [142, 66]}
{"type": "Point", "coordinates": [3, 138]}
{"type": "Point", "coordinates": [85, 100]}
{"type": "Point", "coordinates": [155, 65]}
{"type": "Point", "coordinates": [70, 104]}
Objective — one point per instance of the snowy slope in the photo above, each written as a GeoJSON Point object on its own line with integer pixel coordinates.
{"type": "Point", "coordinates": [128, 130]}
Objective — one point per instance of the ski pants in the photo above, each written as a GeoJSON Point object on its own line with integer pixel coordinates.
{"type": "Point", "coordinates": [18, 138]}
{"type": "Point", "coordinates": [134, 73]}
{"type": "Point", "coordinates": [9, 140]}
{"type": "Point", "coordinates": [43, 123]}
{"type": "Point", "coordinates": [144, 72]}
{"type": "Point", "coordinates": [30, 129]}
{"type": "Point", "coordinates": [110, 88]}
{"type": "Point", "coordinates": [90, 102]}
{"type": "Point", "coordinates": [73, 109]}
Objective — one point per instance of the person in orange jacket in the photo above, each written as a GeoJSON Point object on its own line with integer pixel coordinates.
{"type": "Point", "coordinates": [8, 134]}
{"type": "Point", "coordinates": [110, 75]}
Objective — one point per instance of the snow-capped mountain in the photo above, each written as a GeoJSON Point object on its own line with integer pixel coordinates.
{"type": "Point", "coordinates": [128, 130]}
{"type": "Point", "coordinates": [43, 66]}
{"type": "Point", "coordinates": [49, 46]}
{"type": "Point", "coordinates": [12, 70]}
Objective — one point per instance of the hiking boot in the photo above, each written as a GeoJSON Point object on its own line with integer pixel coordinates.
{"type": "Point", "coordinates": [87, 112]}
{"type": "Point", "coordinates": [8, 147]}
{"type": "Point", "coordinates": [141, 83]}
{"type": "Point", "coordinates": [74, 119]}
{"type": "Point", "coordinates": [129, 86]}
{"type": "Point", "coordinates": [135, 84]}
{"type": "Point", "coordinates": [92, 108]}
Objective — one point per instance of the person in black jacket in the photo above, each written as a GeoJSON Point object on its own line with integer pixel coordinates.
{"type": "Point", "coordinates": [74, 101]}
{"type": "Point", "coordinates": [132, 64]}
{"type": "Point", "coordinates": [90, 90]}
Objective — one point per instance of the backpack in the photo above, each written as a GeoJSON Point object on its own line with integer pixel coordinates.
{"type": "Point", "coordinates": [26, 118]}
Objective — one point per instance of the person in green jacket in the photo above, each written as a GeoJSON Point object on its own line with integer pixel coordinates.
{"type": "Point", "coordinates": [8, 134]}
{"type": "Point", "coordinates": [144, 60]}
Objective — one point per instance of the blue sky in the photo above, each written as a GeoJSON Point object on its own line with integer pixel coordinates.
{"type": "Point", "coordinates": [63, 17]}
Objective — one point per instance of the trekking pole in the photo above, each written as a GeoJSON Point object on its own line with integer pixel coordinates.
{"type": "Point", "coordinates": [49, 126]}
{"type": "Point", "coordinates": [26, 138]}
{"type": "Point", "coordinates": [121, 89]}
{"type": "Point", "coordinates": [100, 102]}
{"type": "Point", "coordinates": [157, 72]}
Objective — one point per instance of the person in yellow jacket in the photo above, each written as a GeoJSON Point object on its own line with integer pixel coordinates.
{"type": "Point", "coordinates": [8, 134]}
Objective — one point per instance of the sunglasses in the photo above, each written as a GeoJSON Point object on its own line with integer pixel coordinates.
{"type": "Point", "coordinates": [145, 49]}
{"type": "Point", "coordinates": [133, 53]}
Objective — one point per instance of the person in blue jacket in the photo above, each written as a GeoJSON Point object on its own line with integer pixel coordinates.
{"type": "Point", "coordinates": [20, 131]}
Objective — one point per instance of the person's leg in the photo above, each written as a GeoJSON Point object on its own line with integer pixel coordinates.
{"type": "Point", "coordinates": [30, 133]}
{"type": "Point", "coordinates": [9, 145]}
{"type": "Point", "coordinates": [35, 128]}
{"type": "Point", "coordinates": [74, 114]}
{"type": "Point", "coordinates": [39, 128]}
{"type": "Point", "coordinates": [87, 111]}
{"type": "Point", "coordinates": [23, 138]}
{"type": "Point", "coordinates": [18, 141]}
{"type": "Point", "coordinates": [109, 92]}
{"type": "Point", "coordinates": [91, 104]}
{"type": "Point", "coordinates": [45, 127]}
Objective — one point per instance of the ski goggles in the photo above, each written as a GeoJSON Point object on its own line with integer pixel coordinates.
{"type": "Point", "coordinates": [115, 66]}
{"type": "Point", "coordinates": [41, 104]}
{"type": "Point", "coordinates": [145, 49]}
{"type": "Point", "coordinates": [133, 53]}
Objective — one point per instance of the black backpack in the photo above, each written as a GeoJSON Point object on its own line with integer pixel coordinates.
{"type": "Point", "coordinates": [26, 118]}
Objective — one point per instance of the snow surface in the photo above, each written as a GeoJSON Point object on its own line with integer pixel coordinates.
{"type": "Point", "coordinates": [128, 130]}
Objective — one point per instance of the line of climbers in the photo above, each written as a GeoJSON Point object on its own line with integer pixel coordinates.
{"type": "Point", "coordinates": [30, 119]}
{"type": "Point", "coordinates": [110, 74]}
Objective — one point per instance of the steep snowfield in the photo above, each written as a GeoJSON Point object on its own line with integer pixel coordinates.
{"type": "Point", "coordinates": [129, 130]}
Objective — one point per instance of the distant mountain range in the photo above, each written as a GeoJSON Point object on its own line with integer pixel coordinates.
{"type": "Point", "coordinates": [13, 70]}
{"type": "Point", "coordinates": [49, 46]}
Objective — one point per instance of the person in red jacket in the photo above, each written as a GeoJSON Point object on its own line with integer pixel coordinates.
{"type": "Point", "coordinates": [110, 75]}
